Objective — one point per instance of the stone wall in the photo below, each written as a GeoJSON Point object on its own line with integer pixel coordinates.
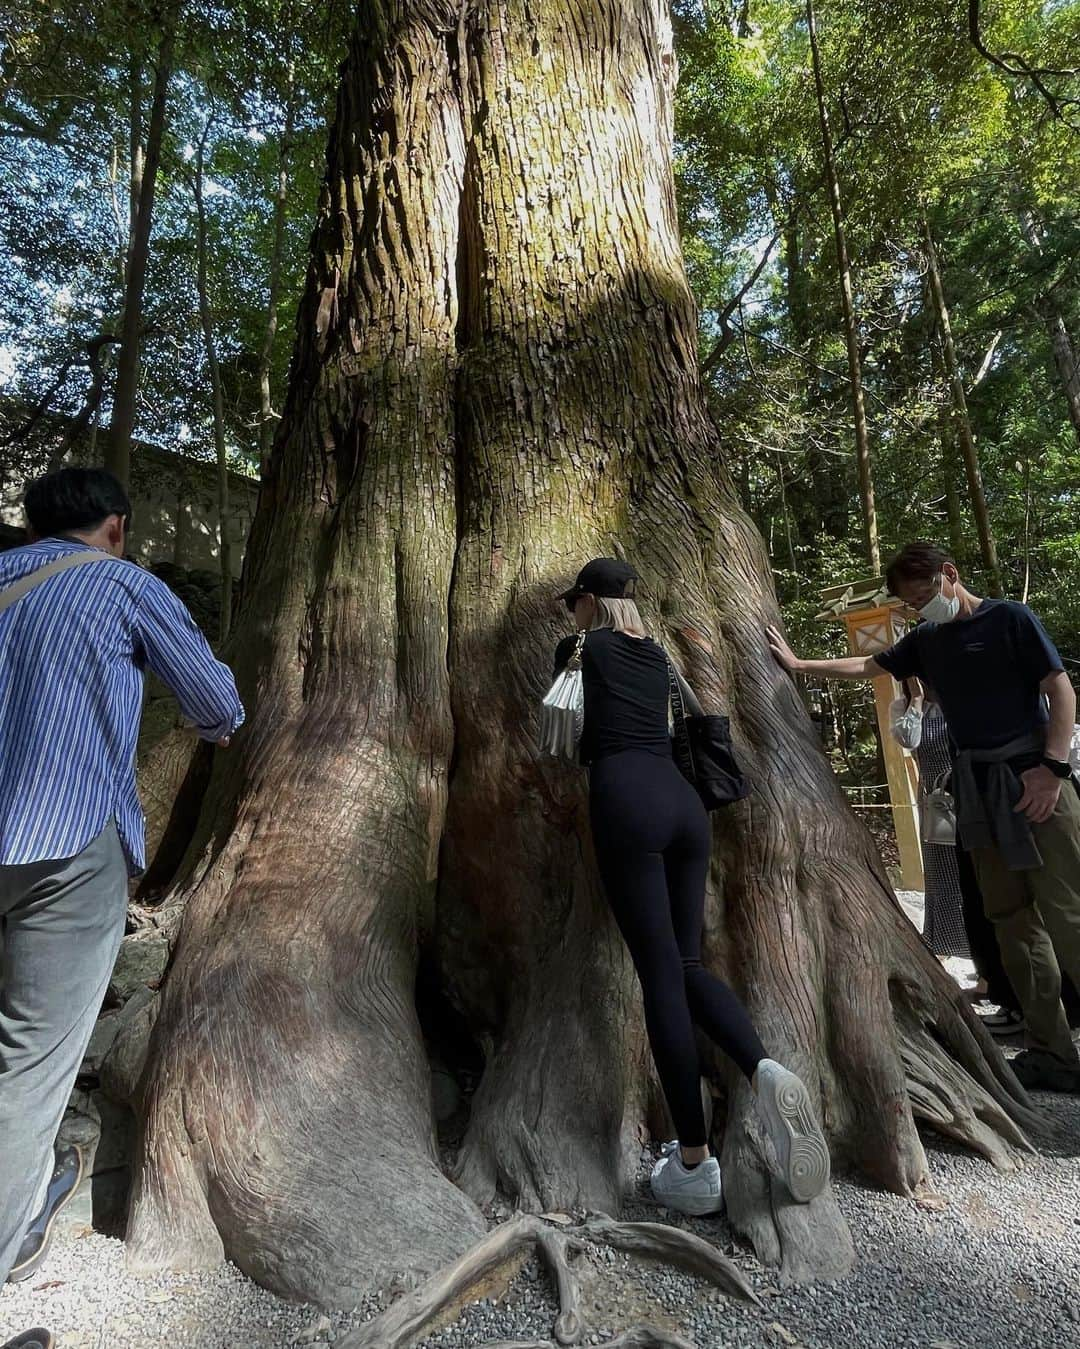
{"type": "Point", "coordinates": [174, 500]}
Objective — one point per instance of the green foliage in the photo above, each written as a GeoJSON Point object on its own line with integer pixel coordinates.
{"type": "Point", "coordinates": [928, 130]}
{"type": "Point", "coordinates": [74, 73]}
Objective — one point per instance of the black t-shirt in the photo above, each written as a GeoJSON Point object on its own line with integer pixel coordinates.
{"type": "Point", "coordinates": [985, 671]}
{"type": "Point", "coordinates": [625, 680]}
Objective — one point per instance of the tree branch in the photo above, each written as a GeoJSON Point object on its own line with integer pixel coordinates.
{"type": "Point", "coordinates": [986, 361]}
{"type": "Point", "coordinates": [727, 334]}
{"type": "Point", "coordinates": [1016, 67]}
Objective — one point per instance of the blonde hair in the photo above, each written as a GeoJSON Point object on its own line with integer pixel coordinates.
{"type": "Point", "coordinates": [622, 615]}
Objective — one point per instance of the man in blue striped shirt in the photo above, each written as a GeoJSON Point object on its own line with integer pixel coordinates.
{"type": "Point", "coordinates": [79, 626]}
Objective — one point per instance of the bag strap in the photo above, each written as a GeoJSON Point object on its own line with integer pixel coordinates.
{"type": "Point", "coordinates": [574, 663]}
{"type": "Point", "coordinates": [690, 699]}
{"type": "Point", "coordinates": [32, 580]}
{"type": "Point", "coordinates": [681, 737]}
{"type": "Point", "coordinates": [682, 695]}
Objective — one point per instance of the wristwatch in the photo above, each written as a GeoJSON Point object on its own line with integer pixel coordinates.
{"type": "Point", "coordinates": [1057, 767]}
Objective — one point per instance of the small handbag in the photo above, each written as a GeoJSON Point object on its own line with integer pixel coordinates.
{"type": "Point", "coordinates": [938, 814]}
{"type": "Point", "coordinates": [702, 747]}
{"type": "Point", "coordinates": [562, 714]}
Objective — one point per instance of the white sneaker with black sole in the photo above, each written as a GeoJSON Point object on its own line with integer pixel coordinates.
{"type": "Point", "coordinates": [696, 1191]}
{"type": "Point", "coordinates": [784, 1104]}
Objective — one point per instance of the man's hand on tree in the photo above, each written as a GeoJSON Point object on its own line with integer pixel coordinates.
{"type": "Point", "coordinates": [1041, 792]}
{"type": "Point", "coordinates": [782, 651]}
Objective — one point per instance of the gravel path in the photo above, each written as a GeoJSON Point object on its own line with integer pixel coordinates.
{"type": "Point", "coordinates": [998, 1266]}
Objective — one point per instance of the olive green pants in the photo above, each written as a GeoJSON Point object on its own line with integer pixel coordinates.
{"type": "Point", "coordinates": [1036, 915]}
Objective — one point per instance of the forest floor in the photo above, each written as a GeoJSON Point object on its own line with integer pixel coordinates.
{"type": "Point", "coordinates": [997, 1265]}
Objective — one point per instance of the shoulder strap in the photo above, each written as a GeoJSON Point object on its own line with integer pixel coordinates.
{"type": "Point", "coordinates": [32, 580]}
{"type": "Point", "coordinates": [684, 701]}
{"type": "Point", "coordinates": [689, 697]}
{"type": "Point", "coordinates": [574, 663]}
{"type": "Point", "coordinates": [684, 756]}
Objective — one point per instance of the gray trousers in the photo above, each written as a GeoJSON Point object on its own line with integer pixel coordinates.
{"type": "Point", "coordinates": [62, 927]}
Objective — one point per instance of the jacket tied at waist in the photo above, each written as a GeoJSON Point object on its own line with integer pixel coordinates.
{"type": "Point", "coordinates": [986, 817]}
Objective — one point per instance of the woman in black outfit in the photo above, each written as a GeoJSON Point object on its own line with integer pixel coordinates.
{"type": "Point", "coordinates": [652, 841]}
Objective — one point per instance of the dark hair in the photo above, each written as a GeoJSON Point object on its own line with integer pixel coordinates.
{"type": "Point", "coordinates": [73, 499]}
{"type": "Point", "coordinates": [919, 561]}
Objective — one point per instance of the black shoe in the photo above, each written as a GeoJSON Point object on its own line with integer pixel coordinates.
{"type": "Point", "coordinates": [1039, 1071]}
{"type": "Point", "coordinates": [66, 1176]}
{"type": "Point", "coordinates": [31, 1339]}
{"type": "Point", "coordinates": [1004, 1022]}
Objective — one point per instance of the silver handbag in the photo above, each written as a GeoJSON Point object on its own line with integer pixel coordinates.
{"type": "Point", "coordinates": [938, 814]}
{"type": "Point", "coordinates": [562, 715]}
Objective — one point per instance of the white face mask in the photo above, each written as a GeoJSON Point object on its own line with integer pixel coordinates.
{"type": "Point", "coordinates": [940, 609]}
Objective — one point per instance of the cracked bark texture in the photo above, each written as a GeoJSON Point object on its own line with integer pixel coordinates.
{"type": "Point", "coordinates": [495, 378]}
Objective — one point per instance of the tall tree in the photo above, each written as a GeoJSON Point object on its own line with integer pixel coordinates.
{"type": "Point", "coordinates": [961, 420]}
{"type": "Point", "coordinates": [947, 443]}
{"type": "Point", "coordinates": [495, 378]}
{"type": "Point", "coordinates": [1065, 353]}
{"type": "Point", "coordinates": [206, 316]}
{"type": "Point", "coordinates": [847, 306]}
{"type": "Point", "coordinates": [145, 161]}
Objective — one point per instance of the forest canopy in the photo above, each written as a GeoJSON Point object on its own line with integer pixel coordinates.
{"type": "Point", "coordinates": [954, 126]}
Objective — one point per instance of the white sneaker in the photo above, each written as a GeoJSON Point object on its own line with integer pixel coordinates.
{"type": "Point", "coordinates": [784, 1104]}
{"type": "Point", "coordinates": [696, 1192]}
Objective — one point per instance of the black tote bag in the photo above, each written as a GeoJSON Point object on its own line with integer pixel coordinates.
{"type": "Point", "coordinates": [703, 747]}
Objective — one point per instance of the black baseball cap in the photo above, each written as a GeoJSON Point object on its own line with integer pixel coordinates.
{"type": "Point", "coordinates": [604, 576]}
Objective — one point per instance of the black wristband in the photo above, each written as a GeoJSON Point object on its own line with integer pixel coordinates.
{"type": "Point", "coordinates": [1057, 767]}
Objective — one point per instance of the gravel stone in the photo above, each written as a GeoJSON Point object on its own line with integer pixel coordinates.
{"type": "Point", "coordinates": [997, 1268]}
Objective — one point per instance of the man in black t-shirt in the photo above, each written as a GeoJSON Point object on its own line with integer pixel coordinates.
{"type": "Point", "coordinates": [1010, 709]}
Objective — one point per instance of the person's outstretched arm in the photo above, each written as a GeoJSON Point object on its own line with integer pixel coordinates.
{"type": "Point", "coordinates": [180, 656]}
{"type": "Point", "coordinates": [845, 667]}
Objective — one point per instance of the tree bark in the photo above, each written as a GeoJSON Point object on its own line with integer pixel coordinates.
{"type": "Point", "coordinates": [495, 378]}
{"type": "Point", "coordinates": [136, 154]}
{"type": "Point", "coordinates": [847, 307]}
{"type": "Point", "coordinates": [144, 182]}
{"type": "Point", "coordinates": [206, 319]}
{"type": "Point", "coordinates": [961, 420]}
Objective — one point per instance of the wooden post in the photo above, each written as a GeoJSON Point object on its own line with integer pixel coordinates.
{"type": "Point", "coordinates": [871, 630]}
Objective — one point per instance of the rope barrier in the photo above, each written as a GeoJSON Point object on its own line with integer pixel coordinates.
{"type": "Point", "coordinates": [877, 805]}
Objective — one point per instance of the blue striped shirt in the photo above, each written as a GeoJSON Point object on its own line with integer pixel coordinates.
{"type": "Point", "coordinates": [72, 656]}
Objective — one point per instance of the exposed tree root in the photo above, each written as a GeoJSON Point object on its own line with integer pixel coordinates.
{"type": "Point", "coordinates": [946, 1096]}
{"type": "Point", "coordinates": [656, 1241]}
{"type": "Point", "coordinates": [640, 1337]}
{"type": "Point", "coordinates": [807, 1242]}
{"type": "Point", "coordinates": [493, 1262]}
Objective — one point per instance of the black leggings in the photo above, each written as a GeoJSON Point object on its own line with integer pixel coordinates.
{"type": "Point", "coordinates": [653, 842]}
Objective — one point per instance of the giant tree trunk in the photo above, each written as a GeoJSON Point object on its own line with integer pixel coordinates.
{"type": "Point", "coordinates": [495, 378]}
